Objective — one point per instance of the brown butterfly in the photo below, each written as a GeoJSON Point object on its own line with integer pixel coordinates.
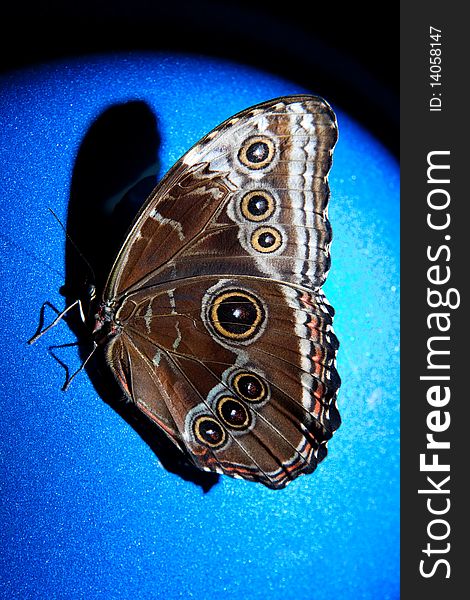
{"type": "Point", "coordinates": [213, 319]}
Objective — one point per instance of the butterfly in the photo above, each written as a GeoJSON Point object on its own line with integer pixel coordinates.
{"type": "Point", "coordinates": [212, 319]}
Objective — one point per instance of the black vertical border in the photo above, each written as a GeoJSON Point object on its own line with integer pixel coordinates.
{"type": "Point", "coordinates": [423, 131]}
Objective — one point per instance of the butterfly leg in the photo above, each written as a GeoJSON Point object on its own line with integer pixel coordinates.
{"type": "Point", "coordinates": [40, 332]}
{"type": "Point", "coordinates": [80, 368]}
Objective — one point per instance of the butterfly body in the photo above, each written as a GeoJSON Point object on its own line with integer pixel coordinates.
{"type": "Point", "coordinates": [213, 318]}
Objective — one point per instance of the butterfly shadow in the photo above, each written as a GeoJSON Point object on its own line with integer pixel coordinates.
{"type": "Point", "coordinates": [115, 170]}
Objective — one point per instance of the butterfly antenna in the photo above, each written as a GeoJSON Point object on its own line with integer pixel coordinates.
{"type": "Point", "coordinates": [74, 245]}
{"type": "Point", "coordinates": [40, 332]}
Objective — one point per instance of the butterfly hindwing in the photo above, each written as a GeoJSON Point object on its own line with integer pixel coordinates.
{"type": "Point", "coordinates": [273, 369]}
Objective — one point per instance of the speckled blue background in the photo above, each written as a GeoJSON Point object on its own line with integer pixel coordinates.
{"type": "Point", "coordinates": [86, 510]}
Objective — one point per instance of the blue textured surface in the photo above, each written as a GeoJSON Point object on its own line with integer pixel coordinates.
{"type": "Point", "coordinates": [87, 511]}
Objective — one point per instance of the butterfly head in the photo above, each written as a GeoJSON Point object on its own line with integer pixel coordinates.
{"type": "Point", "coordinates": [105, 326]}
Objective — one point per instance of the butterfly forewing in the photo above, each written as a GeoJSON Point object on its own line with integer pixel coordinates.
{"type": "Point", "coordinates": [220, 332]}
{"type": "Point", "coordinates": [218, 202]}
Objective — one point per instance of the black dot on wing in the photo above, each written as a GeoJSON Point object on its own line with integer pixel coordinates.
{"type": "Point", "coordinates": [233, 413]}
{"type": "Point", "coordinates": [257, 205]}
{"type": "Point", "coordinates": [250, 387]}
{"type": "Point", "coordinates": [266, 239]}
{"type": "Point", "coordinates": [257, 152]}
{"type": "Point", "coordinates": [208, 431]}
{"type": "Point", "coordinates": [236, 315]}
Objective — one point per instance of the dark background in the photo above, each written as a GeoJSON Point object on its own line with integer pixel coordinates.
{"type": "Point", "coordinates": [349, 53]}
